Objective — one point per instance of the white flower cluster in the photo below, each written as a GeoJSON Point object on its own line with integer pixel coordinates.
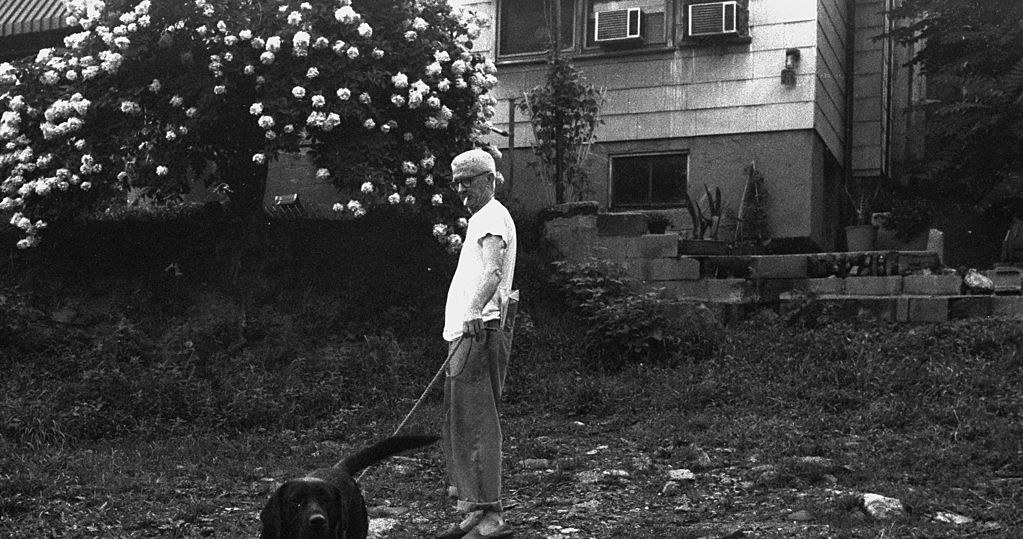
{"type": "Point", "coordinates": [8, 73]}
{"type": "Point", "coordinates": [323, 120]}
{"type": "Point", "coordinates": [31, 230]}
{"type": "Point", "coordinates": [110, 61]}
{"type": "Point", "coordinates": [89, 165]}
{"type": "Point", "coordinates": [91, 15]}
{"type": "Point", "coordinates": [61, 119]}
{"type": "Point", "coordinates": [353, 206]}
{"type": "Point", "coordinates": [300, 42]}
{"type": "Point", "coordinates": [10, 121]}
{"type": "Point", "coordinates": [346, 15]}
{"type": "Point", "coordinates": [109, 37]}
{"type": "Point", "coordinates": [130, 107]}
{"type": "Point", "coordinates": [85, 13]}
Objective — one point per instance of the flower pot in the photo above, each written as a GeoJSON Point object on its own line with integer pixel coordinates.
{"type": "Point", "coordinates": [703, 247]}
{"type": "Point", "coordinates": [860, 238]}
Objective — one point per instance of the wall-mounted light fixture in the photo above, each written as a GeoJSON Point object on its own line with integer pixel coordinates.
{"type": "Point", "coordinates": [788, 75]}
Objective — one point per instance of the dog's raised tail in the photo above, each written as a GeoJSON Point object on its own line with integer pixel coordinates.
{"type": "Point", "coordinates": [385, 448]}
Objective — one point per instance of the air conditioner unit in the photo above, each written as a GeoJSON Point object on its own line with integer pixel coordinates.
{"type": "Point", "coordinates": [713, 19]}
{"type": "Point", "coordinates": [617, 26]}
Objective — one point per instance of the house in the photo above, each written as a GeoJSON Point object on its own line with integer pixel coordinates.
{"type": "Point", "coordinates": [698, 90]}
{"type": "Point", "coordinates": [29, 25]}
{"type": "Point", "coordinates": [695, 92]}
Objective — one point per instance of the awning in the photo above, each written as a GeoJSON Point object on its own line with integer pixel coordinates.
{"type": "Point", "coordinates": [30, 16]}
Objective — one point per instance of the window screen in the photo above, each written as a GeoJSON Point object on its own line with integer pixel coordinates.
{"type": "Point", "coordinates": [648, 180]}
{"type": "Point", "coordinates": [526, 24]}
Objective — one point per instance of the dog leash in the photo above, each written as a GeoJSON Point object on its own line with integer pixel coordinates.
{"type": "Point", "coordinates": [415, 406]}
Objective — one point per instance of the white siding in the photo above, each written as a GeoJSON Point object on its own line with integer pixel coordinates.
{"type": "Point", "coordinates": [829, 107]}
{"type": "Point", "coordinates": [871, 99]}
{"type": "Point", "coordinates": [695, 90]}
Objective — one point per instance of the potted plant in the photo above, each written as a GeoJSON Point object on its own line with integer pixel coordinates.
{"type": "Point", "coordinates": [862, 234]}
{"type": "Point", "coordinates": [657, 223]}
{"type": "Point", "coordinates": [908, 221]}
{"type": "Point", "coordinates": [705, 225]}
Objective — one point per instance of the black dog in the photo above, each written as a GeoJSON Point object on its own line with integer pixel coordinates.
{"type": "Point", "coordinates": [327, 503]}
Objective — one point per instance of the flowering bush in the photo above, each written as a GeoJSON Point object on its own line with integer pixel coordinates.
{"type": "Point", "coordinates": [384, 92]}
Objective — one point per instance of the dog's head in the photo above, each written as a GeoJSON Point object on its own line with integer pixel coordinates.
{"type": "Point", "coordinates": [306, 508]}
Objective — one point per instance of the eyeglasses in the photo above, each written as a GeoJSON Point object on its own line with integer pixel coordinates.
{"type": "Point", "coordinates": [465, 182]}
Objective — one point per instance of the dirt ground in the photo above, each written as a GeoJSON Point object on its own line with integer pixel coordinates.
{"type": "Point", "coordinates": [565, 478]}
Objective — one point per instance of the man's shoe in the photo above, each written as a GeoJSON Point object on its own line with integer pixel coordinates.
{"type": "Point", "coordinates": [503, 531]}
{"type": "Point", "coordinates": [452, 532]}
{"type": "Point", "coordinates": [460, 529]}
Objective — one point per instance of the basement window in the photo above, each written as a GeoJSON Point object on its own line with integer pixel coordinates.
{"type": "Point", "coordinates": [649, 180]}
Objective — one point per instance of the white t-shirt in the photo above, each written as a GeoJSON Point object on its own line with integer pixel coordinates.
{"type": "Point", "coordinates": [492, 219]}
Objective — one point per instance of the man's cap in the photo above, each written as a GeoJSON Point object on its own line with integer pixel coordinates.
{"type": "Point", "coordinates": [472, 163]}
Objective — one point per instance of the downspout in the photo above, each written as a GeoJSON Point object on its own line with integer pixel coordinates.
{"type": "Point", "coordinates": [850, 66]}
{"type": "Point", "coordinates": [511, 144]}
{"type": "Point", "coordinates": [889, 89]}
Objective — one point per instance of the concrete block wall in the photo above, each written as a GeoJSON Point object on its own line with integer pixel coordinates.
{"type": "Point", "coordinates": [907, 286]}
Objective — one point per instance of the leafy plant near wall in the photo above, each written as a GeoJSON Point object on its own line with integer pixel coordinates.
{"type": "Point", "coordinates": [752, 228]}
{"type": "Point", "coordinates": [972, 56]}
{"type": "Point", "coordinates": [909, 216]}
{"type": "Point", "coordinates": [629, 327]}
{"type": "Point", "coordinates": [564, 114]}
{"type": "Point", "coordinates": [705, 226]}
{"type": "Point", "coordinates": [862, 193]}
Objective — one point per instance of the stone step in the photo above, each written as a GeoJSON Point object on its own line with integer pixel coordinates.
{"type": "Point", "coordinates": [630, 223]}
{"type": "Point", "coordinates": [819, 265]}
{"type": "Point", "coordinates": [912, 308]}
{"type": "Point", "coordinates": [649, 246]}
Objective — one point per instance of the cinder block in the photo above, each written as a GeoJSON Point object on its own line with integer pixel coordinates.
{"type": "Point", "coordinates": [936, 243]}
{"type": "Point", "coordinates": [873, 286]}
{"type": "Point", "coordinates": [574, 238]}
{"type": "Point", "coordinates": [822, 285]}
{"type": "Point", "coordinates": [902, 309]}
{"type": "Point", "coordinates": [779, 267]}
{"type": "Point", "coordinates": [881, 308]}
{"type": "Point", "coordinates": [1007, 306]}
{"type": "Point", "coordinates": [645, 246]}
{"type": "Point", "coordinates": [627, 223]}
{"type": "Point", "coordinates": [732, 290]}
{"type": "Point", "coordinates": [662, 269]}
{"type": "Point", "coordinates": [847, 307]}
{"type": "Point", "coordinates": [711, 290]}
{"type": "Point", "coordinates": [931, 285]}
{"type": "Point", "coordinates": [569, 209]}
{"type": "Point", "coordinates": [910, 261]}
{"type": "Point", "coordinates": [969, 307]}
{"type": "Point", "coordinates": [928, 309]}
{"type": "Point", "coordinates": [771, 290]}
{"type": "Point", "coordinates": [730, 266]}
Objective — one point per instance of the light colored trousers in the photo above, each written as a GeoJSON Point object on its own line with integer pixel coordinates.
{"type": "Point", "coordinates": [472, 427]}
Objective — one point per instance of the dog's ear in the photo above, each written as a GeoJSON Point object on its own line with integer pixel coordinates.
{"type": "Point", "coordinates": [337, 513]}
{"type": "Point", "coordinates": [271, 516]}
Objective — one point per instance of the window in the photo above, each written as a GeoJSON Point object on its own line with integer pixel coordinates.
{"type": "Point", "coordinates": [524, 26]}
{"type": "Point", "coordinates": [649, 180]}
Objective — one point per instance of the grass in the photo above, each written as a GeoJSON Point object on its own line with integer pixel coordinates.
{"type": "Point", "coordinates": [131, 425]}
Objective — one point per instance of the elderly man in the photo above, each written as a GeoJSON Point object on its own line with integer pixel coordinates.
{"type": "Point", "coordinates": [478, 349]}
